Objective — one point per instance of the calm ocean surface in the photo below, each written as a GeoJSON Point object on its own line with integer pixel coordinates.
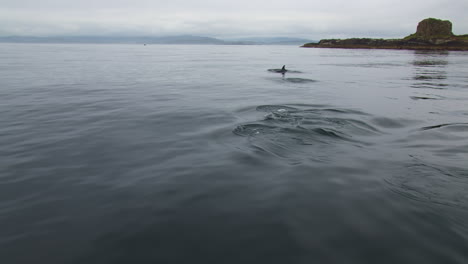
{"type": "Point", "coordinates": [198, 154]}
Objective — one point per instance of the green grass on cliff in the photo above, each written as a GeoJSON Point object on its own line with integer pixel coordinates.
{"type": "Point", "coordinates": [415, 36]}
{"type": "Point", "coordinates": [412, 36]}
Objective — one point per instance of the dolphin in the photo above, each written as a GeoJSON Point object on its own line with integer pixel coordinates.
{"type": "Point", "coordinates": [282, 70]}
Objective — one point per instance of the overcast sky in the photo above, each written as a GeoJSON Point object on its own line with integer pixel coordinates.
{"type": "Point", "coordinates": [313, 19]}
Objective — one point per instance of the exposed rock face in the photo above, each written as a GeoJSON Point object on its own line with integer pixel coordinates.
{"type": "Point", "coordinates": [434, 28]}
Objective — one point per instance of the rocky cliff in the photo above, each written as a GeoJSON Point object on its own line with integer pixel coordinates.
{"type": "Point", "coordinates": [431, 33]}
{"type": "Point", "coordinates": [431, 27]}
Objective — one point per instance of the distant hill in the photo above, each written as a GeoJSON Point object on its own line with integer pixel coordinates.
{"type": "Point", "coordinates": [185, 39]}
{"type": "Point", "coordinates": [273, 41]}
{"type": "Point", "coordinates": [182, 39]}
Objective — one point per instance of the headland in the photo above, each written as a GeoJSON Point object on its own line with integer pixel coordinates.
{"type": "Point", "coordinates": [431, 34]}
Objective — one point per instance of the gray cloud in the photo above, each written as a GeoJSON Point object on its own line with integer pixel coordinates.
{"type": "Point", "coordinates": [295, 18]}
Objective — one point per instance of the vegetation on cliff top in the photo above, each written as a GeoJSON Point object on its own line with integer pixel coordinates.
{"type": "Point", "coordinates": [431, 33]}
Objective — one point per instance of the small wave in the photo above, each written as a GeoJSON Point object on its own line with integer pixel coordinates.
{"type": "Point", "coordinates": [381, 65]}
{"type": "Point", "coordinates": [436, 86]}
{"type": "Point", "coordinates": [337, 110]}
{"type": "Point", "coordinates": [299, 80]}
{"type": "Point", "coordinates": [430, 63]}
{"type": "Point", "coordinates": [330, 133]}
{"type": "Point", "coordinates": [293, 80]}
{"type": "Point", "coordinates": [275, 108]}
{"type": "Point", "coordinates": [429, 77]}
{"type": "Point", "coordinates": [430, 183]}
{"type": "Point", "coordinates": [450, 126]}
{"type": "Point", "coordinates": [448, 139]}
{"type": "Point", "coordinates": [364, 65]}
{"type": "Point", "coordinates": [386, 122]}
{"type": "Point", "coordinates": [253, 129]}
{"type": "Point", "coordinates": [285, 128]}
{"type": "Point", "coordinates": [423, 98]}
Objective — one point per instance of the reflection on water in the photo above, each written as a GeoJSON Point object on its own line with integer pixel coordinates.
{"type": "Point", "coordinates": [429, 69]}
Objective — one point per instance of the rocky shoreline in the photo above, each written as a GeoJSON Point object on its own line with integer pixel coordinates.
{"type": "Point", "coordinates": [431, 34]}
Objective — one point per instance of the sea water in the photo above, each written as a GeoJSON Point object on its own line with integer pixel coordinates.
{"type": "Point", "coordinates": [199, 154]}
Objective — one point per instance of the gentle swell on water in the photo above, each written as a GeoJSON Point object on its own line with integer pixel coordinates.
{"type": "Point", "coordinates": [293, 132]}
{"type": "Point", "coordinates": [432, 184]}
{"type": "Point", "coordinates": [199, 154]}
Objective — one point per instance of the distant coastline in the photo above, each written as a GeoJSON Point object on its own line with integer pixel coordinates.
{"type": "Point", "coordinates": [154, 40]}
{"type": "Point", "coordinates": [431, 34]}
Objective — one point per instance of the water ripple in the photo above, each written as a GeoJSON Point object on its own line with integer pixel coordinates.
{"type": "Point", "coordinates": [450, 126]}
{"type": "Point", "coordinates": [298, 80]}
{"type": "Point", "coordinates": [284, 128]}
{"type": "Point", "coordinates": [431, 183]}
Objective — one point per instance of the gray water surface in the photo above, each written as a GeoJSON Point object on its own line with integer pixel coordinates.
{"type": "Point", "coordinates": [199, 154]}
